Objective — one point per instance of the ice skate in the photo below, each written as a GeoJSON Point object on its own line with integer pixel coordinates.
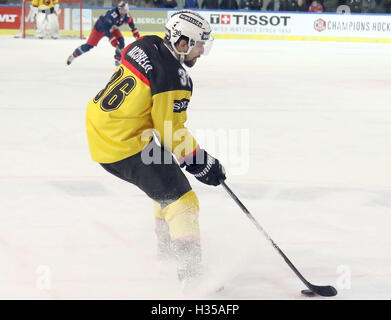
{"type": "Point", "coordinates": [164, 246]}
{"type": "Point", "coordinates": [117, 60]}
{"type": "Point", "coordinates": [70, 59]}
{"type": "Point", "coordinates": [189, 269]}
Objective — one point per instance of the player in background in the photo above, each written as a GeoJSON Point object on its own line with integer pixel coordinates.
{"type": "Point", "coordinates": [150, 91]}
{"type": "Point", "coordinates": [108, 25]}
{"type": "Point", "coordinates": [46, 13]}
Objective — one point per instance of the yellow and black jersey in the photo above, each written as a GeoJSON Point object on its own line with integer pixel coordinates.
{"type": "Point", "coordinates": [44, 4]}
{"type": "Point", "coordinates": [149, 90]}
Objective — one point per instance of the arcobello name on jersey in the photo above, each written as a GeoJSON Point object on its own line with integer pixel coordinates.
{"type": "Point", "coordinates": [139, 56]}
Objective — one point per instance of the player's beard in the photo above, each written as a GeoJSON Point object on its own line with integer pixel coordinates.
{"type": "Point", "coordinates": [190, 63]}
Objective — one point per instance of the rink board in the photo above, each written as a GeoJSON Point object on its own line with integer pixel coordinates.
{"type": "Point", "coordinates": [248, 25]}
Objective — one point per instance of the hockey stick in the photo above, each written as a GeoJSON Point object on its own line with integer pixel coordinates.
{"type": "Point", "coordinates": [325, 291]}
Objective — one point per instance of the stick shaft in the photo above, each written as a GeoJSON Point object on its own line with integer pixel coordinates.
{"type": "Point", "coordinates": [259, 227]}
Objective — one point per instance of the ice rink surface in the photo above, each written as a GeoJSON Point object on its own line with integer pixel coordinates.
{"type": "Point", "coordinates": [313, 167]}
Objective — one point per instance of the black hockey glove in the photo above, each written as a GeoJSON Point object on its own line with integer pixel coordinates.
{"type": "Point", "coordinates": [205, 168]}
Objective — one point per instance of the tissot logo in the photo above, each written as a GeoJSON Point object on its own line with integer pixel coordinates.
{"type": "Point", "coordinates": [220, 19]}
{"type": "Point", "coordinates": [246, 19]}
{"type": "Point", "coordinates": [214, 18]}
{"type": "Point", "coordinates": [320, 25]}
{"type": "Point", "coordinates": [225, 19]}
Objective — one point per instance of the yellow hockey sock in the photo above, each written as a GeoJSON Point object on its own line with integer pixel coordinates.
{"type": "Point", "coordinates": [182, 217]}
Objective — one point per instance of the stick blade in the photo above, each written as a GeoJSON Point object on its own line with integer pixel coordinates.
{"type": "Point", "coordinates": [308, 293]}
{"type": "Point", "coordinates": [324, 291]}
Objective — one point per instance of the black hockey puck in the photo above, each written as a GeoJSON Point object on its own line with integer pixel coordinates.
{"type": "Point", "coordinates": [308, 293]}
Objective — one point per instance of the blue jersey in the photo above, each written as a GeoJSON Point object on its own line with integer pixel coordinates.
{"type": "Point", "coordinates": [112, 18]}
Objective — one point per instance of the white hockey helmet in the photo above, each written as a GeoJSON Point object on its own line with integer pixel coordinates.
{"type": "Point", "coordinates": [122, 5]}
{"type": "Point", "coordinates": [192, 25]}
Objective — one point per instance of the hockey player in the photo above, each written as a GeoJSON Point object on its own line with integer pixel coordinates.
{"type": "Point", "coordinates": [46, 13]}
{"type": "Point", "coordinates": [108, 25]}
{"type": "Point", "coordinates": [150, 91]}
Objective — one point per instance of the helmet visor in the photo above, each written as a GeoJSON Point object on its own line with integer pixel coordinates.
{"type": "Point", "coordinates": [205, 45]}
